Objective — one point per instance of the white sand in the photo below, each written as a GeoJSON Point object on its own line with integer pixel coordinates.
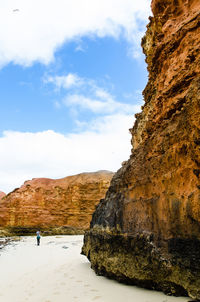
{"type": "Point", "coordinates": [51, 273]}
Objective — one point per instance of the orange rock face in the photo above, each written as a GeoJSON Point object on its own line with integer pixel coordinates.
{"type": "Point", "coordinates": [2, 194]}
{"type": "Point", "coordinates": [153, 204]}
{"type": "Point", "coordinates": [44, 202]}
{"type": "Point", "coordinates": [166, 135]}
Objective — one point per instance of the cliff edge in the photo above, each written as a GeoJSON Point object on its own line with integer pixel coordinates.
{"type": "Point", "coordinates": [2, 194]}
{"type": "Point", "coordinates": [46, 203]}
{"type": "Point", "coordinates": [147, 229]}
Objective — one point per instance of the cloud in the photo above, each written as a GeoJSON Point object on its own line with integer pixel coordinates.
{"type": "Point", "coordinates": [38, 28]}
{"type": "Point", "coordinates": [103, 94]}
{"type": "Point", "coordinates": [90, 96]}
{"type": "Point", "coordinates": [50, 154]}
{"type": "Point", "coordinates": [108, 106]}
{"type": "Point", "coordinates": [67, 82]}
{"type": "Point", "coordinates": [80, 48]}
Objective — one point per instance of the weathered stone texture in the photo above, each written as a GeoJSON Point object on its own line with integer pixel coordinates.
{"type": "Point", "coordinates": [44, 203]}
{"type": "Point", "coordinates": [2, 194]}
{"type": "Point", "coordinates": [153, 203]}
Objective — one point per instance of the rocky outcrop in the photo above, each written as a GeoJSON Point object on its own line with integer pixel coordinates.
{"type": "Point", "coordinates": [45, 203]}
{"type": "Point", "coordinates": [147, 229]}
{"type": "Point", "coordinates": [2, 194]}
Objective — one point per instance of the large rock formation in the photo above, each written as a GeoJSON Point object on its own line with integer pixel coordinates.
{"type": "Point", "coordinates": [2, 194]}
{"type": "Point", "coordinates": [46, 203]}
{"type": "Point", "coordinates": [147, 229]}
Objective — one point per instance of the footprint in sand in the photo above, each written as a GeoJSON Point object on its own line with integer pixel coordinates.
{"type": "Point", "coordinates": [56, 293]}
{"type": "Point", "coordinates": [79, 281]}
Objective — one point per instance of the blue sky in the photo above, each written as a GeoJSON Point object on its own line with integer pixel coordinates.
{"type": "Point", "coordinates": [70, 84]}
{"type": "Point", "coordinates": [27, 98]}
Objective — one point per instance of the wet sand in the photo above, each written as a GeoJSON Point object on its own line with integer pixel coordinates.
{"type": "Point", "coordinates": [56, 272]}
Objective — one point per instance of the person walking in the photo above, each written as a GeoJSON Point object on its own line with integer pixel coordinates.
{"type": "Point", "coordinates": [38, 237]}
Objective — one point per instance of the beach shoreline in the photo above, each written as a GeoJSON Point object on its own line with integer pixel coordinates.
{"type": "Point", "coordinates": [55, 271]}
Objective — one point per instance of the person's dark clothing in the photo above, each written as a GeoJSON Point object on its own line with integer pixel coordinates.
{"type": "Point", "coordinates": [38, 237]}
{"type": "Point", "coordinates": [38, 240]}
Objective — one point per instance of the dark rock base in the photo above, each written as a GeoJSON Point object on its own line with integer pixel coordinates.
{"type": "Point", "coordinates": [29, 231]}
{"type": "Point", "coordinates": [171, 266]}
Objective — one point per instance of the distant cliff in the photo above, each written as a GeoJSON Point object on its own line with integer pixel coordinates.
{"type": "Point", "coordinates": [2, 194]}
{"type": "Point", "coordinates": [147, 229]}
{"type": "Point", "coordinates": [46, 203]}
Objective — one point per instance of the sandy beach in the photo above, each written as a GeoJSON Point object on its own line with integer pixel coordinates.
{"type": "Point", "coordinates": [56, 272]}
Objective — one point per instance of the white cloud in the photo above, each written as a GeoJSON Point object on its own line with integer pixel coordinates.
{"type": "Point", "coordinates": [107, 106]}
{"type": "Point", "coordinates": [67, 82]}
{"type": "Point", "coordinates": [57, 105]}
{"type": "Point", "coordinates": [103, 94]}
{"type": "Point", "coordinates": [39, 28]}
{"type": "Point", "coordinates": [80, 48]}
{"type": "Point", "coordinates": [90, 96]}
{"type": "Point", "coordinates": [51, 154]}
{"type": "Point", "coordinates": [86, 103]}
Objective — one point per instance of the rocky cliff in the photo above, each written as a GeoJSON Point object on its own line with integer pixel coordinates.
{"type": "Point", "coordinates": [2, 194]}
{"type": "Point", "coordinates": [46, 203]}
{"type": "Point", "coordinates": [147, 229]}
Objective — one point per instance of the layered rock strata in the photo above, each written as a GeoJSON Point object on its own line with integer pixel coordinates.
{"type": "Point", "coordinates": [64, 204]}
{"type": "Point", "coordinates": [147, 229]}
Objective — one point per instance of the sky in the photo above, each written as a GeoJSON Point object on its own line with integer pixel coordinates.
{"type": "Point", "coordinates": [71, 80]}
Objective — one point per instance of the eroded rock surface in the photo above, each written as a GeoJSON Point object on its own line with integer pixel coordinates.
{"type": "Point", "coordinates": [147, 229]}
{"type": "Point", "coordinates": [45, 203]}
{"type": "Point", "coordinates": [2, 194]}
